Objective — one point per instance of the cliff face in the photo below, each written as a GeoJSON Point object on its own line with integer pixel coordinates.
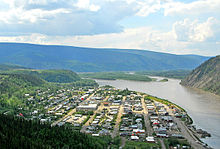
{"type": "Point", "coordinates": [206, 76]}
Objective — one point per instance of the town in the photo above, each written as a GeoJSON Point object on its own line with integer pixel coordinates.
{"type": "Point", "coordinates": [133, 117]}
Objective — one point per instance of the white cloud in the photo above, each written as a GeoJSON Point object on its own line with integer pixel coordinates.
{"type": "Point", "coordinates": [63, 17]}
{"type": "Point", "coordinates": [96, 23]}
{"type": "Point", "coordinates": [198, 7]}
{"type": "Point", "coordinates": [136, 38]}
{"type": "Point", "coordinates": [188, 30]}
{"type": "Point", "coordinates": [148, 7]}
{"type": "Point", "coordinates": [20, 16]}
{"type": "Point", "coordinates": [86, 4]}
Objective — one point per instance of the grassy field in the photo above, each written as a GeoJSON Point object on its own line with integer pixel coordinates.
{"type": "Point", "coordinates": [139, 145]}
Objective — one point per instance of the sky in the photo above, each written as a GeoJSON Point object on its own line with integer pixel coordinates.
{"type": "Point", "coordinates": [171, 26]}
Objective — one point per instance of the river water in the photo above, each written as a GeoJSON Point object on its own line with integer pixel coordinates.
{"type": "Point", "coordinates": [203, 107]}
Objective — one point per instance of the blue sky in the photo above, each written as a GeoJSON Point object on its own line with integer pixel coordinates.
{"type": "Point", "coordinates": [171, 26]}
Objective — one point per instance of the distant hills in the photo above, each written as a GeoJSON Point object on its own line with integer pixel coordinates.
{"type": "Point", "coordinates": [10, 67]}
{"type": "Point", "coordinates": [58, 76]}
{"type": "Point", "coordinates": [206, 76]}
{"type": "Point", "coordinates": [93, 59]}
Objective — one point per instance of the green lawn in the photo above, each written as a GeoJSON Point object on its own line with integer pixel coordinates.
{"type": "Point", "coordinates": [139, 145]}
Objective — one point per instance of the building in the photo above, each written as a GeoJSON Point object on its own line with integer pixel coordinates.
{"type": "Point", "coordinates": [106, 104]}
{"type": "Point", "coordinates": [89, 107]}
{"type": "Point", "coordinates": [150, 139]}
{"type": "Point", "coordinates": [134, 138]}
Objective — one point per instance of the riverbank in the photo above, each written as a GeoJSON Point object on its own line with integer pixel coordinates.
{"type": "Point", "coordinates": [184, 121]}
{"type": "Point", "coordinates": [202, 107]}
{"type": "Point", "coordinates": [116, 75]}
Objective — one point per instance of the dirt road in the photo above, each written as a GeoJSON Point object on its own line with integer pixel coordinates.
{"type": "Point", "coordinates": [71, 112]}
{"type": "Point", "coordinates": [118, 120]}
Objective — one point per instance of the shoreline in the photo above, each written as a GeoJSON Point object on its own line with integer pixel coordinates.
{"type": "Point", "coordinates": [188, 124]}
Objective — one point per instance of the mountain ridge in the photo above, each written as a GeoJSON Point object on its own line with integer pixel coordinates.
{"type": "Point", "coordinates": [206, 76]}
{"type": "Point", "coordinates": [81, 59]}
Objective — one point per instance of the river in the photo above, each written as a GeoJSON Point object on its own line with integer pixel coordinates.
{"type": "Point", "coordinates": [203, 107]}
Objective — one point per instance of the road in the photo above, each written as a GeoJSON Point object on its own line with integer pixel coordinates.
{"type": "Point", "coordinates": [118, 120]}
{"type": "Point", "coordinates": [193, 141]}
{"type": "Point", "coordinates": [188, 134]}
{"type": "Point", "coordinates": [71, 111]}
{"type": "Point", "coordinates": [162, 144]}
{"type": "Point", "coordinates": [100, 108]}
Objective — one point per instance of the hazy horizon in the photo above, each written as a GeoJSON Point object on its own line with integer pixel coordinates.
{"type": "Point", "coordinates": [170, 26]}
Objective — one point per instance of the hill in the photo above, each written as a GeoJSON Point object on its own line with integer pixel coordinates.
{"type": "Point", "coordinates": [14, 86]}
{"type": "Point", "coordinates": [58, 76]}
{"type": "Point", "coordinates": [93, 59]}
{"type": "Point", "coordinates": [11, 83]}
{"type": "Point", "coordinates": [4, 67]}
{"type": "Point", "coordinates": [19, 133]}
{"type": "Point", "coordinates": [206, 76]}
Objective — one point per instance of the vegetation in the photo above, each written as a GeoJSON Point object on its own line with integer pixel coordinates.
{"type": "Point", "coordinates": [139, 145]}
{"type": "Point", "coordinates": [164, 80]}
{"type": "Point", "coordinates": [19, 133]}
{"type": "Point", "coordinates": [164, 101]}
{"type": "Point", "coordinates": [80, 59]}
{"type": "Point", "coordinates": [15, 86]}
{"type": "Point", "coordinates": [115, 143]}
{"type": "Point", "coordinates": [10, 67]}
{"type": "Point", "coordinates": [206, 76]}
{"type": "Point", "coordinates": [176, 74]}
{"type": "Point", "coordinates": [59, 76]}
{"type": "Point", "coordinates": [116, 75]}
{"type": "Point", "coordinates": [173, 142]}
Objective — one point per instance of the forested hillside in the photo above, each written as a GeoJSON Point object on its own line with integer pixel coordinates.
{"type": "Point", "coordinates": [206, 76]}
{"type": "Point", "coordinates": [18, 133]}
{"type": "Point", "coordinates": [59, 76]}
{"type": "Point", "coordinates": [10, 67]}
{"type": "Point", "coordinates": [80, 59]}
{"type": "Point", "coordinates": [13, 88]}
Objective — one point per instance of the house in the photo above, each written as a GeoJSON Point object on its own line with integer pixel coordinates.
{"type": "Point", "coordinates": [89, 107]}
{"type": "Point", "coordinates": [162, 132]}
{"type": "Point", "coordinates": [134, 138]}
{"type": "Point", "coordinates": [150, 139]}
{"type": "Point", "coordinates": [95, 135]}
{"type": "Point", "coordinates": [138, 131]}
{"type": "Point", "coordinates": [133, 126]}
{"type": "Point", "coordinates": [84, 97]}
{"type": "Point", "coordinates": [106, 104]}
{"type": "Point", "coordinates": [162, 135]}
